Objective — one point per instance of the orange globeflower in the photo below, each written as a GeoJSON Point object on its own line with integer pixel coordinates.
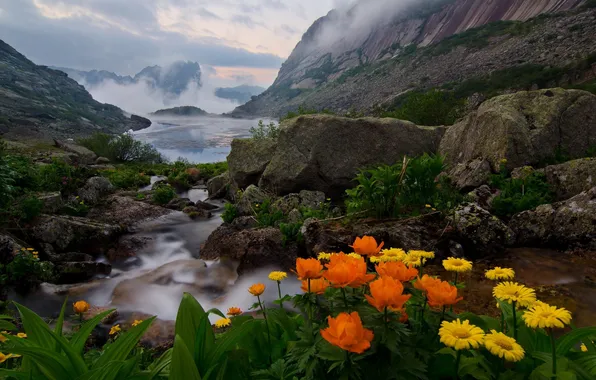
{"type": "Point", "coordinates": [443, 294]}
{"type": "Point", "coordinates": [308, 269]}
{"type": "Point", "coordinates": [317, 286]}
{"type": "Point", "coordinates": [397, 270]}
{"type": "Point", "coordinates": [351, 272]}
{"type": "Point", "coordinates": [427, 282]}
{"type": "Point", "coordinates": [367, 246]}
{"type": "Point", "coordinates": [233, 311]}
{"type": "Point", "coordinates": [387, 293]}
{"type": "Point", "coordinates": [346, 332]}
{"type": "Point", "coordinates": [256, 289]}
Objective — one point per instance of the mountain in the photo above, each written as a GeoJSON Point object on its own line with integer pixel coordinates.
{"type": "Point", "coordinates": [239, 94]}
{"type": "Point", "coordinates": [368, 55]}
{"type": "Point", "coordinates": [180, 111]}
{"type": "Point", "coordinates": [40, 102]}
{"type": "Point", "coordinates": [94, 78]}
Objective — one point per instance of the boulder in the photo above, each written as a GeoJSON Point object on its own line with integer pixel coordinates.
{"type": "Point", "coordinates": [483, 196]}
{"type": "Point", "coordinates": [295, 216]}
{"type": "Point", "coordinates": [179, 204]}
{"type": "Point", "coordinates": [84, 155]}
{"type": "Point", "coordinates": [94, 189]}
{"type": "Point", "coordinates": [80, 271]}
{"type": "Point", "coordinates": [564, 225]}
{"type": "Point", "coordinates": [479, 232]}
{"type": "Point", "coordinates": [205, 206]}
{"type": "Point", "coordinates": [524, 128]}
{"type": "Point", "coordinates": [125, 211]}
{"type": "Point", "coordinates": [470, 175]}
{"type": "Point", "coordinates": [128, 246]}
{"type": "Point", "coordinates": [252, 248]}
{"type": "Point", "coordinates": [244, 222]}
{"type": "Point", "coordinates": [52, 202]}
{"type": "Point", "coordinates": [572, 177]}
{"type": "Point", "coordinates": [307, 199]}
{"type": "Point", "coordinates": [139, 122]}
{"type": "Point", "coordinates": [250, 197]}
{"type": "Point", "coordinates": [102, 161]}
{"type": "Point", "coordinates": [8, 247]}
{"type": "Point", "coordinates": [324, 153]}
{"type": "Point", "coordinates": [217, 187]}
{"type": "Point", "coordinates": [248, 159]}
{"type": "Point", "coordinates": [70, 257]}
{"type": "Point", "coordinates": [195, 213]}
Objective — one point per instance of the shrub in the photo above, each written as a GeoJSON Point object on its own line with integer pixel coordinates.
{"type": "Point", "coordinates": [163, 194]}
{"type": "Point", "coordinates": [127, 178]}
{"type": "Point", "coordinates": [521, 194]}
{"type": "Point", "coordinates": [291, 233]}
{"type": "Point", "coordinates": [25, 272]}
{"type": "Point", "coordinates": [263, 131]}
{"type": "Point", "coordinates": [60, 176]}
{"type": "Point", "coordinates": [266, 216]}
{"type": "Point", "coordinates": [434, 107]}
{"type": "Point", "coordinates": [123, 148]}
{"type": "Point", "coordinates": [7, 177]}
{"type": "Point", "coordinates": [230, 213]}
{"type": "Point", "coordinates": [29, 208]}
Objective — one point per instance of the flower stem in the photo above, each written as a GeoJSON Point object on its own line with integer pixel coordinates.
{"type": "Point", "coordinates": [502, 321]}
{"type": "Point", "coordinates": [554, 348]}
{"type": "Point", "coordinates": [281, 302]}
{"type": "Point", "coordinates": [457, 359]}
{"type": "Point", "coordinates": [385, 321]}
{"type": "Point", "coordinates": [309, 311]}
{"type": "Point", "coordinates": [514, 321]}
{"type": "Point", "coordinates": [422, 313]}
{"type": "Point", "coordinates": [421, 268]}
{"type": "Point", "coordinates": [454, 284]}
{"type": "Point", "coordinates": [266, 325]}
{"type": "Point", "coordinates": [343, 292]}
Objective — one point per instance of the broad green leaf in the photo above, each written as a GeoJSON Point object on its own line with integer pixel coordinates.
{"type": "Point", "coordinates": [204, 343]}
{"type": "Point", "coordinates": [9, 373]}
{"type": "Point", "coordinates": [107, 372]}
{"type": "Point", "coordinates": [59, 323]}
{"type": "Point", "coordinates": [580, 370]}
{"type": "Point", "coordinates": [567, 341]}
{"type": "Point", "coordinates": [37, 330]}
{"type": "Point", "coordinates": [230, 339]}
{"type": "Point", "coordinates": [79, 339]}
{"type": "Point", "coordinates": [588, 363]}
{"type": "Point", "coordinates": [121, 348]}
{"type": "Point", "coordinates": [5, 324]}
{"type": "Point", "coordinates": [51, 364]}
{"type": "Point", "coordinates": [216, 312]}
{"type": "Point", "coordinates": [188, 324]}
{"type": "Point", "coordinates": [183, 365]}
{"type": "Point", "coordinates": [159, 366]}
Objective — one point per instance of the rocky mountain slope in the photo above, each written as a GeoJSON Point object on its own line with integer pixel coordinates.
{"type": "Point", "coordinates": [239, 94]}
{"type": "Point", "coordinates": [427, 45]}
{"type": "Point", "coordinates": [38, 102]}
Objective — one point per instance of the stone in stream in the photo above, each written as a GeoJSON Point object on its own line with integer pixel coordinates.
{"type": "Point", "coordinates": [80, 271]}
{"type": "Point", "coordinates": [125, 211]}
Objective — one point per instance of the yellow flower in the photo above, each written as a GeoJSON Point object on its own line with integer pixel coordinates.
{"type": "Point", "coordinates": [22, 335]}
{"type": "Point", "coordinates": [425, 254]}
{"type": "Point", "coordinates": [583, 348]}
{"type": "Point", "coordinates": [538, 303]}
{"type": "Point", "coordinates": [504, 161]}
{"type": "Point", "coordinates": [30, 249]}
{"type": "Point", "coordinates": [546, 316]}
{"type": "Point", "coordinates": [4, 358]}
{"type": "Point", "coordinates": [2, 337]}
{"type": "Point", "coordinates": [503, 346]}
{"type": "Point", "coordinates": [461, 335]}
{"type": "Point", "coordinates": [514, 292]}
{"type": "Point", "coordinates": [375, 259]}
{"type": "Point", "coordinates": [115, 329]}
{"type": "Point", "coordinates": [398, 253]}
{"type": "Point", "coordinates": [137, 322]}
{"type": "Point", "coordinates": [354, 255]}
{"type": "Point", "coordinates": [428, 206]}
{"type": "Point", "coordinates": [277, 275]}
{"type": "Point", "coordinates": [454, 264]}
{"type": "Point", "coordinates": [498, 273]}
{"type": "Point", "coordinates": [413, 261]}
{"type": "Point", "coordinates": [80, 307]}
{"type": "Point", "coordinates": [324, 256]}
{"type": "Point", "coordinates": [223, 322]}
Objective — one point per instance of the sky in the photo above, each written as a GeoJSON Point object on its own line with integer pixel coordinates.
{"type": "Point", "coordinates": [242, 41]}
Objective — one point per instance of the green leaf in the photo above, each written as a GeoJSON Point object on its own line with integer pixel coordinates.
{"type": "Point", "coordinates": [78, 340]}
{"type": "Point", "coordinates": [37, 330]}
{"type": "Point", "coordinates": [51, 364]}
{"type": "Point", "coordinates": [122, 347]}
{"type": "Point", "coordinates": [567, 341]}
{"type": "Point", "coordinates": [191, 327]}
{"type": "Point", "coordinates": [59, 323]}
{"type": "Point", "coordinates": [588, 363]}
{"type": "Point", "coordinates": [107, 372]}
{"type": "Point", "coordinates": [9, 373]}
{"type": "Point", "coordinates": [230, 339]}
{"type": "Point", "coordinates": [183, 365]}
{"type": "Point", "coordinates": [332, 353]}
{"type": "Point", "coordinates": [158, 367]}
{"type": "Point", "coordinates": [5, 324]}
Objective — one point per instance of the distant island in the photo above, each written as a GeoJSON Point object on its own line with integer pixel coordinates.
{"type": "Point", "coordinates": [180, 111]}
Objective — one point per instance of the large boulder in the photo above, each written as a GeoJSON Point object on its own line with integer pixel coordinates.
{"type": "Point", "coordinates": [52, 202]}
{"type": "Point", "coordinates": [572, 177]}
{"type": "Point", "coordinates": [305, 199]}
{"type": "Point", "coordinates": [73, 272]}
{"type": "Point", "coordinates": [94, 189]}
{"type": "Point", "coordinates": [248, 159]}
{"type": "Point", "coordinates": [524, 128]}
{"type": "Point", "coordinates": [470, 175]}
{"type": "Point", "coordinates": [217, 187]}
{"type": "Point", "coordinates": [84, 156]}
{"type": "Point", "coordinates": [8, 248]}
{"type": "Point", "coordinates": [250, 198]}
{"type": "Point", "coordinates": [324, 153]}
{"type": "Point", "coordinates": [125, 211]}
{"type": "Point", "coordinates": [567, 224]}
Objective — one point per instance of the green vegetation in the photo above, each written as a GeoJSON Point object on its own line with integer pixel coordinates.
{"type": "Point", "coordinates": [125, 178]}
{"type": "Point", "coordinates": [291, 233]}
{"type": "Point", "coordinates": [267, 216]}
{"type": "Point", "coordinates": [180, 111]}
{"type": "Point", "coordinates": [265, 131]}
{"type": "Point", "coordinates": [230, 213]}
{"type": "Point", "coordinates": [162, 194]}
{"type": "Point", "coordinates": [122, 149]}
{"type": "Point", "coordinates": [402, 189]}
{"type": "Point", "coordinates": [25, 271]}
{"type": "Point", "coordinates": [434, 107]}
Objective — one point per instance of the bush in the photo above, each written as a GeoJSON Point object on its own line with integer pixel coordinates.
{"type": "Point", "coordinates": [291, 233]}
{"type": "Point", "coordinates": [123, 148]}
{"type": "Point", "coordinates": [7, 177]}
{"type": "Point", "coordinates": [434, 107]}
{"type": "Point", "coordinates": [25, 272]}
{"type": "Point", "coordinates": [29, 208]}
{"type": "Point", "coordinates": [163, 194]}
{"type": "Point", "coordinates": [521, 194]}
{"type": "Point", "coordinates": [266, 216]}
{"type": "Point", "coordinates": [263, 131]}
{"type": "Point", "coordinates": [127, 178]}
{"type": "Point", "coordinates": [230, 213]}
{"type": "Point", "coordinates": [60, 176]}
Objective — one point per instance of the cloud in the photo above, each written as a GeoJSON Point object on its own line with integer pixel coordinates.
{"type": "Point", "coordinates": [247, 21]}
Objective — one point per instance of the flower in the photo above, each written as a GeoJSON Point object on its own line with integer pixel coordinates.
{"type": "Point", "coordinates": [324, 256]}
{"type": "Point", "coordinates": [346, 332]}
{"type": "Point", "coordinates": [498, 273]}
{"type": "Point", "coordinates": [137, 322]}
{"type": "Point", "coordinates": [398, 253]}
{"type": "Point", "coordinates": [546, 316]}
{"type": "Point", "coordinates": [424, 254]}
{"type": "Point", "coordinates": [2, 337]}
{"type": "Point", "coordinates": [308, 268]}
{"type": "Point", "coordinates": [81, 307]}
{"type": "Point", "coordinates": [277, 275]}
{"type": "Point", "coordinates": [256, 289]}
{"type": "Point", "coordinates": [354, 255]}
{"type": "Point", "coordinates": [503, 346]}
{"type": "Point", "coordinates": [115, 329]}
{"type": "Point", "coordinates": [397, 270]}
{"type": "Point", "coordinates": [428, 206]}
{"type": "Point", "coordinates": [317, 286]}
{"type": "Point", "coordinates": [367, 246]}
{"type": "Point", "coordinates": [223, 322]}
{"type": "Point", "coordinates": [413, 260]}
{"type": "Point", "coordinates": [403, 316]}
{"type": "Point", "coordinates": [345, 271]}
{"type": "Point", "coordinates": [461, 335]}
{"type": "Point", "coordinates": [30, 249]}
{"type": "Point", "coordinates": [427, 282]}
{"type": "Point", "coordinates": [4, 357]}
{"type": "Point", "coordinates": [22, 335]}
{"type": "Point", "coordinates": [514, 292]}
{"type": "Point", "coordinates": [233, 311]}
{"type": "Point", "coordinates": [386, 292]}
{"type": "Point", "coordinates": [454, 264]}
{"type": "Point", "coordinates": [442, 295]}
{"type": "Point", "coordinates": [583, 347]}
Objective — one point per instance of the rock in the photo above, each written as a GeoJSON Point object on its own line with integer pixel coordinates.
{"type": "Point", "coordinates": [287, 203]}
{"type": "Point", "coordinates": [128, 246]}
{"type": "Point", "coordinates": [139, 122]}
{"type": "Point", "coordinates": [324, 153]}
{"type": "Point", "coordinates": [96, 310]}
{"type": "Point", "coordinates": [80, 271]}
{"type": "Point", "coordinates": [524, 128]}
{"type": "Point", "coordinates": [244, 222]}
{"type": "Point", "coordinates": [252, 248]}
{"type": "Point", "coordinates": [8, 247]}
{"type": "Point", "coordinates": [52, 202]}
{"type": "Point", "coordinates": [217, 187]}
{"type": "Point", "coordinates": [94, 189]}
{"type": "Point", "coordinates": [85, 156]}
{"type": "Point", "coordinates": [250, 197]}
{"type": "Point", "coordinates": [75, 234]}
{"type": "Point", "coordinates": [159, 336]}
{"type": "Point", "coordinates": [481, 233]}
{"type": "Point", "coordinates": [483, 195]}
{"type": "Point", "coordinates": [312, 199]}
{"type": "Point", "coordinates": [102, 161]}
{"type": "Point", "coordinates": [179, 204]}
{"type": "Point", "coordinates": [572, 177]}
{"type": "Point", "coordinates": [66, 157]}
{"type": "Point", "coordinates": [101, 167]}
{"type": "Point", "coordinates": [205, 206]}
{"type": "Point", "coordinates": [524, 172]}
{"type": "Point", "coordinates": [247, 160]}
{"type": "Point", "coordinates": [470, 175]}
{"type": "Point", "coordinates": [564, 225]}
{"type": "Point", "coordinates": [125, 211]}
{"type": "Point", "coordinates": [294, 216]}
{"type": "Point", "coordinates": [196, 213]}
{"type": "Point", "coordinates": [70, 257]}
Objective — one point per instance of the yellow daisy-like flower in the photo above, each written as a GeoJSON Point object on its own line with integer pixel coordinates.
{"type": "Point", "coordinates": [425, 254]}
{"type": "Point", "coordinates": [4, 357]}
{"type": "Point", "coordinates": [324, 256]}
{"type": "Point", "coordinates": [2, 337]}
{"type": "Point", "coordinates": [503, 346]}
{"type": "Point", "coordinates": [137, 322]}
{"type": "Point", "coordinates": [22, 335]}
{"type": "Point", "coordinates": [413, 261]}
{"type": "Point", "coordinates": [115, 329]}
{"type": "Point", "coordinates": [30, 249]}
{"type": "Point", "coordinates": [394, 252]}
{"type": "Point", "coordinates": [354, 255]}
{"type": "Point", "coordinates": [277, 275]}
{"type": "Point", "coordinates": [461, 335]}
{"type": "Point", "coordinates": [454, 264]}
{"type": "Point", "coordinates": [428, 206]}
{"type": "Point", "coordinates": [375, 259]}
{"type": "Point", "coordinates": [538, 303]}
{"type": "Point", "coordinates": [514, 292]}
{"type": "Point", "coordinates": [223, 322]}
{"type": "Point", "coordinates": [546, 316]}
{"type": "Point", "coordinates": [583, 348]}
{"type": "Point", "coordinates": [498, 273]}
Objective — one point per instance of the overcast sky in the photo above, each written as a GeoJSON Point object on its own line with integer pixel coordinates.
{"type": "Point", "coordinates": [238, 38]}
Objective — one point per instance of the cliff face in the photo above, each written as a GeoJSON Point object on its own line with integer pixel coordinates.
{"type": "Point", "coordinates": [368, 34]}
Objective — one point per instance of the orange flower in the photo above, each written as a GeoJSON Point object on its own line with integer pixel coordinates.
{"type": "Point", "coordinates": [308, 268]}
{"type": "Point", "coordinates": [317, 286]}
{"type": "Point", "coordinates": [346, 332]}
{"type": "Point", "coordinates": [367, 246]}
{"type": "Point", "coordinates": [426, 282]}
{"type": "Point", "coordinates": [256, 289]}
{"type": "Point", "coordinates": [81, 307]}
{"type": "Point", "coordinates": [387, 292]}
{"type": "Point", "coordinates": [233, 311]}
{"type": "Point", "coordinates": [347, 271]}
{"type": "Point", "coordinates": [397, 270]}
{"type": "Point", "coordinates": [403, 316]}
{"type": "Point", "coordinates": [442, 294]}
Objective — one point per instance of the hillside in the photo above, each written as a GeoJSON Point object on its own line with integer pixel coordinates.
{"type": "Point", "coordinates": [239, 94]}
{"type": "Point", "coordinates": [36, 101]}
{"type": "Point", "coordinates": [180, 111]}
{"type": "Point", "coordinates": [423, 47]}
